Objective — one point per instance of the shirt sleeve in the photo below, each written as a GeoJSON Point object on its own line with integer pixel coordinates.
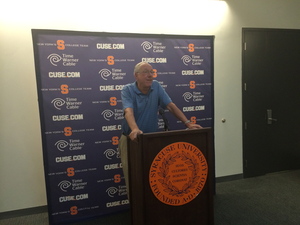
{"type": "Point", "coordinates": [126, 97]}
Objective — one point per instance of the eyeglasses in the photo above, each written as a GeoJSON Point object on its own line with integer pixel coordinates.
{"type": "Point", "coordinates": [151, 72]}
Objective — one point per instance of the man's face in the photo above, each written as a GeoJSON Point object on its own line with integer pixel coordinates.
{"type": "Point", "coordinates": [144, 76]}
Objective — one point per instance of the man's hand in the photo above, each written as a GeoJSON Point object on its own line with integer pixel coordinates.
{"type": "Point", "coordinates": [193, 126]}
{"type": "Point", "coordinates": [134, 133]}
{"type": "Point", "coordinates": [179, 114]}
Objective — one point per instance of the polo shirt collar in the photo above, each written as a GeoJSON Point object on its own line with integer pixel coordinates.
{"type": "Point", "coordinates": [137, 91]}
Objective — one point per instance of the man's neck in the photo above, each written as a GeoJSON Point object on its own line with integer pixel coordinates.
{"type": "Point", "coordinates": [144, 90]}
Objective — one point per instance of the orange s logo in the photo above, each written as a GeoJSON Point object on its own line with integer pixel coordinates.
{"type": "Point", "coordinates": [68, 131]}
{"type": "Point", "coordinates": [73, 210]}
{"type": "Point", "coordinates": [117, 178]}
{"type": "Point", "coordinates": [115, 140]}
{"type": "Point", "coordinates": [155, 73]}
{"type": "Point", "coordinates": [113, 101]}
{"type": "Point", "coordinates": [191, 47]}
{"type": "Point", "coordinates": [193, 119]}
{"type": "Point", "coordinates": [192, 84]}
{"type": "Point", "coordinates": [64, 89]}
{"type": "Point", "coordinates": [70, 172]}
{"type": "Point", "coordinates": [110, 60]}
{"type": "Point", "coordinates": [60, 44]}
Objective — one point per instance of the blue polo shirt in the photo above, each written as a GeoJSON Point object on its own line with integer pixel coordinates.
{"type": "Point", "coordinates": [145, 106]}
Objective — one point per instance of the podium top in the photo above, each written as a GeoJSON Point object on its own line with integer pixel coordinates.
{"type": "Point", "coordinates": [176, 132]}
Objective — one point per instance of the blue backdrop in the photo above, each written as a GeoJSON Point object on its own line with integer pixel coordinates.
{"type": "Point", "coordinates": [80, 76]}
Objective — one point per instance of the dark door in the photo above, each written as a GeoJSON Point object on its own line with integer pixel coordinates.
{"type": "Point", "coordinates": [271, 100]}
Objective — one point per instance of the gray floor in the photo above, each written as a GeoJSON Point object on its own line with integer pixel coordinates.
{"type": "Point", "coordinates": [273, 199]}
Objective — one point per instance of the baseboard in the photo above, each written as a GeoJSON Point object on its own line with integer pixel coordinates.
{"type": "Point", "coordinates": [229, 178]}
{"type": "Point", "coordinates": [23, 212]}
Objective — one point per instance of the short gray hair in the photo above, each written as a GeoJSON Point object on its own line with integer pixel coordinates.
{"type": "Point", "coordinates": [138, 66]}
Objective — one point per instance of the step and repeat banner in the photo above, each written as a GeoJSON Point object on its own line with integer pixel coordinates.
{"type": "Point", "coordinates": [80, 76]}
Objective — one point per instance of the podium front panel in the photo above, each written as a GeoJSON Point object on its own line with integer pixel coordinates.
{"type": "Point", "coordinates": [172, 205]}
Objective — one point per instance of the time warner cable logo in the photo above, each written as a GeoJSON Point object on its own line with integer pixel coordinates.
{"type": "Point", "coordinates": [186, 59]}
{"type": "Point", "coordinates": [146, 46]}
{"type": "Point", "coordinates": [109, 153]}
{"type": "Point", "coordinates": [58, 102]}
{"type": "Point", "coordinates": [114, 191]}
{"type": "Point", "coordinates": [61, 145]}
{"type": "Point", "coordinates": [54, 59]}
{"type": "Point", "coordinates": [195, 96]}
{"type": "Point", "coordinates": [187, 96]}
{"type": "Point", "coordinates": [64, 185]}
{"type": "Point", "coordinates": [107, 114]}
{"type": "Point", "coordinates": [111, 191]}
{"type": "Point", "coordinates": [104, 73]}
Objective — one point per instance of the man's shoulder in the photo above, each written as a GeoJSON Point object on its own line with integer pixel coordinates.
{"type": "Point", "coordinates": [155, 83]}
{"type": "Point", "coordinates": [129, 86]}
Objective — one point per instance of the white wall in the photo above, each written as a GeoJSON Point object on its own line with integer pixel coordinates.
{"type": "Point", "coordinates": [21, 164]}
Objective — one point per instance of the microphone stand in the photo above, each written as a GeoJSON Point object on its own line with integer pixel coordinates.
{"type": "Point", "coordinates": [162, 113]}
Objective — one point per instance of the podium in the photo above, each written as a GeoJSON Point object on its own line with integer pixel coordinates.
{"type": "Point", "coordinates": [171, 178]}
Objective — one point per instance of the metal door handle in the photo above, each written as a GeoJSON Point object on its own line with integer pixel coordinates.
{"type": "Point", "coordinates": [270, 119]}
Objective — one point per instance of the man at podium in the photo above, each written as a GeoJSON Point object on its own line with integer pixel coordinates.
{"type": "Point", "coordinates": [141, 102]}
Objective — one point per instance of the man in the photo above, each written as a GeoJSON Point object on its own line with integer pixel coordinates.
{"type": "Point", "coordinates": [141, 101]}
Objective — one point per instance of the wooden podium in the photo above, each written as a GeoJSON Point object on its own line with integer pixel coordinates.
{"type": "Point", "coordinates": [171, 178]}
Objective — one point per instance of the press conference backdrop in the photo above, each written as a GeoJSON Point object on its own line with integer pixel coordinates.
{"type": "Point", "coordinates": [80, 76]}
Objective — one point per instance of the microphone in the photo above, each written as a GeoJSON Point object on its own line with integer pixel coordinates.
{"type": "Point", "coordinates": [162, 113]}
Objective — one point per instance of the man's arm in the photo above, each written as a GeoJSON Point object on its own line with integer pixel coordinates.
{"type": "Point", "coordinates": [135, 131]}
{"type": "Point", "coordinates": [179, 114]}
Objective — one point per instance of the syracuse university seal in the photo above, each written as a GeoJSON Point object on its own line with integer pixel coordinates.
{"type": "Point", "coordinates": [178, 173]}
